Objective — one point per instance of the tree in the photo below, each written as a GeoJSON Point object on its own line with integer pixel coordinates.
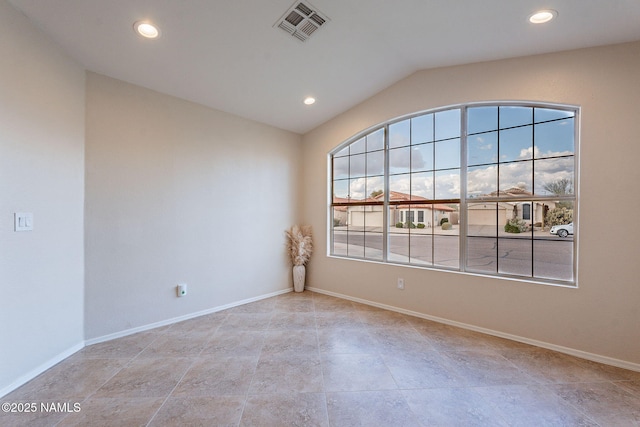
{"type": "Point", "coordinates": [561, 187]}
{"type": "Point", "coordinates": [376, 193]}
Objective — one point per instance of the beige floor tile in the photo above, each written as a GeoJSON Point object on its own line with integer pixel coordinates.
{"type": "Point", "coordinates": [419, 322]}
{"type": "Point", "coordinates": [277, 410]}
{"type": "Point", "coordinates": [452, 407]}
{"type": "Point", "coordinates": [262, 306]}
{"type": "Point", "coordinates": [74, 378]}
{"type": "Point", "coordinates": [447, 337]}
{"type": "Point", "coordinates": [365, 307]}
{"type": "Point", "coordinates": [336, 340]}
{"type": "Point", "coordinates": [290, 342]}
{"type": "Point", "coordinates": [317, 296]}
{"type": "Point", "coordinates": [370, 408]}
{"type": "Point", "coordinates": [451, 338]}
{"type": "Point", "coordinates": [384, 319]}
{"type": "Point", "coordinates": [606, 403]}
{"type": "Point", "coordinates": [150, 377]}
{"type": "Point", "coordinates": [355, 372]}
{"type": "Point", "coordinates": [208, 323]}
{"type": "Point", "coordinates": [339, 320]}
{"type": "Point", "coordinates": [631, 386]}
{"type": "Point", "coordinates": [427, 369]}
{"type": "Point", "coordinates": [503, 343]}
{"type": "Point", "coordinates": [294, 305]}
{"type": "Point", "coordinates": [125, 347]}
{"type": "Point", "coordinates": [217, 376]}
{"type": "Point", "coordinates": [485, 368]}
{"type": "Point", "coordinates": [610, 373]}
{"type": "Point", "coordinates": [293, 321]}
{"type": "Point", "coordinates": [315, 360]}
{"type": "Point", "coordinates": [332, 305]}
{"type": "Point", "coordinates": [118, 411]}
{"type": "Point", "coordinates": [287, 374]}
{"type": "Point", "coordinates": [235, 343]}
{"type": "Point", "coordinates": [246, 321]}
{"type": "Point", "coordinates": [35, 418]}
{"type": "Point", "coordinates": [397, 341]}
{"type": "Point", "coordinates": [177, 344]}
{"type": "Point", "coordinates": [533, 405]}
{"type": "Point", "coordinates": [200, 411]}
{"type": "Point", "coordinates": [548, 366]}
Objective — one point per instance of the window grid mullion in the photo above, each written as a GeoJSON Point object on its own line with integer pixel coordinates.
{"type": "Point", "coordinates": [498, 193]}
{"type": "Point", "coordinates": [348, 198]}
{"type": "Point", "coordinates": [366, 195]}
{"type": "Point", "coordinates": [462, 237]}
{"type": "Point", "coordinates": [385, 209]}
{"type": "Point", "coordinates": [464, 201]}
{"type": "Point", "coordinates": [533, 186]}
{"type": "Point", "coordinates": [433, 178]}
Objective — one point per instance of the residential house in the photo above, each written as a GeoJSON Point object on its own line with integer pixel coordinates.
{"type": "Point", "coordinates": [530, 212]}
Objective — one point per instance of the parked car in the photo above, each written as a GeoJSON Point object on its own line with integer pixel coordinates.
{"type": "Point", "coordinates": [562, 230]}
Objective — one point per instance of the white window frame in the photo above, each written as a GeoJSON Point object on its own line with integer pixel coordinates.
{"type": "Point", "coordinates": [464, 199]}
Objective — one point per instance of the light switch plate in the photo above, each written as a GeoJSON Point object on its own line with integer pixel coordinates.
{"type": "Point", "coordinates": [23, 221]}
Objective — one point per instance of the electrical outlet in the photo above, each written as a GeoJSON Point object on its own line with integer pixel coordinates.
{"type": "Point", "coordinates": [181, 289]}
{"type": "Point", "coordinates": [400, 283]}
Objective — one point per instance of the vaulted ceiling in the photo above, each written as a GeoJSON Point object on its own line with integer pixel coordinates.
{"type": "Point", "coordinates": [230, 54]}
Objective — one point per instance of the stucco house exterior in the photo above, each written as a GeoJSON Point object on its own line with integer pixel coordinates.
{"type": "Point", "coordinates": [482, 213]}
{"type": "Point", "coordinates": [371, 215]}
{"type": "Point", "coordinates": [487, 212]}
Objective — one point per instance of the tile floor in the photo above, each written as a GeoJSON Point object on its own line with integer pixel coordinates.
{"type": "Point", "coordinates": [313, 360]}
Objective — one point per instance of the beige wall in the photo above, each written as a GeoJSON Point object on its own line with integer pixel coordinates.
{"type": "Point", "coordinates": [176, 192]}
{"type": "Point", "coordinates": [179, 193]}
{"type": "Point", "coordinates": [41, 171]}
{"type": "Point", "coordinates": [602, 316]}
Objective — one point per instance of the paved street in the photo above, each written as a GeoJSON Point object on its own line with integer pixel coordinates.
{"type": "Point", "coordinates": [544, 256]}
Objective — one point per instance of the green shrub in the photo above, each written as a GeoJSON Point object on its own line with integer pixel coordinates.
{"type": "Point", "coordinates": [515, 225]}
{"type": "Point", "coordinates": [447, 226]}
{"type": "Point", "coordinates": [399, 225]}
{"type": "Point", "coordinates": [420, 225]}
{"type": "Point", "coordinates": [509, 228]}
{"type": "Point", "coordinates": [410, 224]}
{"type": "Point", "coordinates": [336, 222]}
{"type": "Point", "coordinates": [443, 220]}
{"type": "Point", "coordinates": [559, 216]}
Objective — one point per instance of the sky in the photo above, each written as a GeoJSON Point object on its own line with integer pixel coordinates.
{"type": "Point", "coordinates": [515, 146]}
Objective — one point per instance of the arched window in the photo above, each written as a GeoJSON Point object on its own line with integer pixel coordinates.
{"type": "Point", "coordinates": [480, 188]}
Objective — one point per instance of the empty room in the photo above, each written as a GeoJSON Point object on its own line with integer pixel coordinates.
{"type": "Point", "coordinates": [463, 174]}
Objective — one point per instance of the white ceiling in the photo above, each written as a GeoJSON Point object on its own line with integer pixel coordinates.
{"type": "Point", "coordinates": [225, 54]}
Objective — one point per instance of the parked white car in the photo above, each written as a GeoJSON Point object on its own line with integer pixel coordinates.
{"type": "Point", "coordinates": [562, 230]}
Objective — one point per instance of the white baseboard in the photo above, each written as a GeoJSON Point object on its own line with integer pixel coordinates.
{"type": "Point", "coordinates": [171, 321]}
{"type": "Point", "coordinates": [566, 350]}
{"type": "Point", "coordinates": [70, 351]}
{"type": "Point", "coordinates": [77, 347]}
{"type": "Point", "coordinates": [23, 379]}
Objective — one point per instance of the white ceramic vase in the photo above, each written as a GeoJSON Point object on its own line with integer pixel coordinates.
{"type": "Point", "coordinates": [299, 273]}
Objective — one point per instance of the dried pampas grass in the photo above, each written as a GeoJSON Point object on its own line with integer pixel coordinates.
{"type": "Point", "coordinates": [299, 244]}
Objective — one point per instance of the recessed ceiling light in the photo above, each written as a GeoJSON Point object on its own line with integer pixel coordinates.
{"type": "Point", "coordinates": [542, 16]}
{"type": "Point", "coordinates": [146, 29]}
{"type": "Point", "coordinates": [309, 100]}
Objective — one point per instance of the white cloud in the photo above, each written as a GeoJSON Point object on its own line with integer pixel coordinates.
{"type": "Point", "coordinates": [357, 189]}
{"type": "Point", "coordinates": [481, 181]}
{"type": "Point", "coordinates": [400, 183]}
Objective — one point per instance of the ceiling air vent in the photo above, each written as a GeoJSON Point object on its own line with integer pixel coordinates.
{"type": "Point", "coordinates": [301, 21]}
